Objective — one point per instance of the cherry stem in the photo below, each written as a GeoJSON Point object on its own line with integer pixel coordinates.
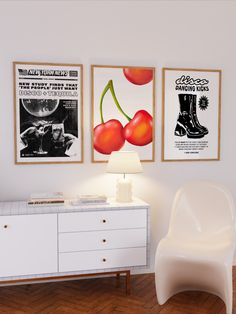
{"type": "Point", "coordinates": [111, 87]}
{"type": "Point", "coordinates": [107, 87]}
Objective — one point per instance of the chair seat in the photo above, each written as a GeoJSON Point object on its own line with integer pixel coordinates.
{"type": "Point", "coordinates": [200, 250]}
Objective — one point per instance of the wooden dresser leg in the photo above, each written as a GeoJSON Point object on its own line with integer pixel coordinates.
{"type": "Point", "coordinates": [117, 280]}
{"type": "Point", "coordinates": [128, 282]}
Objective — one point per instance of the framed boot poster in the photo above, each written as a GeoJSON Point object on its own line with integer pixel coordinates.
{"type": "Point", "coordinates": [191, 114]}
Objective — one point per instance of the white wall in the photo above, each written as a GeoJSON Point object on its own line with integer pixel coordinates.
{"type": "Point", "coordinates": [196, 34]}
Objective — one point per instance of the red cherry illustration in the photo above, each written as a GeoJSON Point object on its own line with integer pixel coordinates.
{"type": "Point", "coordinates": [108, 137]}
{"type": "Point", "coordinates": [138, 76]}
{"type": "Point", "coordinates": [139, 130]}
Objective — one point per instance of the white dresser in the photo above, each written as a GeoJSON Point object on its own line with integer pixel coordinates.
{"type": "Point", "coordinates": [45, 243]}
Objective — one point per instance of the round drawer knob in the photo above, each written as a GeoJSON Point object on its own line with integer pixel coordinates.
{"type": "Point", "coordinates": [104, 240]}
{"type": "Point", "coordinates": [104, 259]}
{"type": "Point", "coordinates": [5, 226]}
{"type": "Point", "coordinates": [104, 221]}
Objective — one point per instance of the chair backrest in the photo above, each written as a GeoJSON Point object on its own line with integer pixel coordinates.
{"type": "Point", "coordinates": [202, 209]}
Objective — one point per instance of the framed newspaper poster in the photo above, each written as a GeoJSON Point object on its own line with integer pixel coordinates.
{"type": "Point", "coordinates": [48, 113]}
{"type": "Point", "coordinates": [123, 99]}
{"type": "Point", "coordinates": [191, 114]}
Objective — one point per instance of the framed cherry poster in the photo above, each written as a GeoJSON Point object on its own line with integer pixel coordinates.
{"type": "Point", "coordinates": [191, 114]}
{"type": "Point", "coordinates": [123, 102]}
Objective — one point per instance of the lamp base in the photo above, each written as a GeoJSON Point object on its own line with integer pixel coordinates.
{"type": "Point", "coordinates": [124, 190]}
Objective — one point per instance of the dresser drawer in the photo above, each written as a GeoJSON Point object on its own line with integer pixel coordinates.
{"type": "Point", "coordinates": [102, 220]}
{"type": "Point", "coordinates": [78, 261]}
{"type": "Point", "coordinates": [100, 240]}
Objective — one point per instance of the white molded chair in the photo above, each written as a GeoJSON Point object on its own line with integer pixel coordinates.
{"type": "Point", "coordinates": [197, 253]}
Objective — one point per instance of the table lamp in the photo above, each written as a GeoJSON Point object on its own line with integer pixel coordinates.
{"type": "Point", "coordinates": [124, 162]}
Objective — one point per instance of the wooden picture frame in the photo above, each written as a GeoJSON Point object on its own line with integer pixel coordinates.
{"type": "Point", "coordinates": [121, 93]}
{"type": "Point", "coordinates": [48, 112]}
{"type": "Point", "coordinates": [191, 114]}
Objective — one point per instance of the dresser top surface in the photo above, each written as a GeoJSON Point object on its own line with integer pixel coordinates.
{"type": "Point", "coordinates": [22, 207]}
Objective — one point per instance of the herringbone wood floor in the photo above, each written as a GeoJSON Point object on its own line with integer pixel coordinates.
{"type": "Point", "coordinates": [101, 296]}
